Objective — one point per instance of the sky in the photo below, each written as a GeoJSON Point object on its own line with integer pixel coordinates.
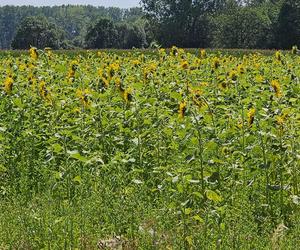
{"type": "Point", "coordinates": [106, 3]}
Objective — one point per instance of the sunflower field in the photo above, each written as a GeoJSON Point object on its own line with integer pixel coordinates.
{"type": "Point", "coordinates": [170, 150]}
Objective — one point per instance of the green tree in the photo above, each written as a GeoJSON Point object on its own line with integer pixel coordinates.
{"type": "Point", "coordinates": [289, 24]}
{"type": "Point", "coordinates": [242, 27]}
{"type": "Point", "coordinates": [38, 32]}
{"type": "Point", "coordinates": [183, 22]}
{"type": "Point", "coordinates": [131, 36]}
{"type": "Point", "coordinates": [102, 34]}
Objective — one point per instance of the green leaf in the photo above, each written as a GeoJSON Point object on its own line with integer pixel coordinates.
{"type": "Point", "coordinates": [57, 148]}
{"type": "Point", "coordinates": [213, 196]}
{"type": "Point", "coordinates": [76, 155]}
{"type": "Point", "coordinates": [187, 211]}
{"type": "Point", "coordinates": [189, 240]}
{"type": "Point", "coordinates": [77, 179]}
{"type": "Point", "coordinates": [2, 169]}
{"type": "Point", "coordinates": [176, 95]}
{"type": "Point", "coordinates": [198, 218]}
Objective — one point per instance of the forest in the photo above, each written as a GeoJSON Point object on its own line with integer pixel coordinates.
{"type": "Point", "coordinates": [260, 24]}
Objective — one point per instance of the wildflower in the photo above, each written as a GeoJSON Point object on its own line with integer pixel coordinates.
{"type": "Point", "coordinates": [224, 84]}
{"type": "Point", "coordinates": [259, 79]}
{"type": "Point", "coordinates": [250, 115]}
{"type": "Point", "coordinates": [196, 96]}
{"type": "Point", "coordinates": [73, 68]}
{"type": "Point", "coordinates": [182, 109]}
{"type": "Point", "coordinates": [8, 84]}
{"type": "Point", "coordinates": [113, 68]}
{"type": "Point", "coordinates": [280, 119]}
{"type": "Point", "coordinates": [278, 56]}
{"type": "Point", "coordinates": [276, 86]}
{"type": "Point", "coordinates": [184, 64]}
{"type": "Point", "coordinates": [149, 70]}
{"type": "Point", "coordinates": [216, 63]}
{"type": "Point", "coordinates": [83, 96]}
{"type": "Point", "coordinates": [33, 53]}
{"type": "Point", "coordinates": [241, 69]}
{"type": "Point", "coordinates": [162, 52]}
{"type": "Point", "coordinates": [127, 95]}
{"type": "Point", "coordinates": [202, 53]}
{"type": "Point", "coordinates": [136, 62]}
{"type": "Point", "coordinates": [233, 75]}
{"type": "Point", "coordinates": [44, 91]}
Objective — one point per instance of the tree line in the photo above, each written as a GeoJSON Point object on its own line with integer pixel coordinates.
{"type": "Point", "coordinates": [247, 24]}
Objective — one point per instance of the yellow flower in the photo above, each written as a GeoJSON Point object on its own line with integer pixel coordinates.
{"type": "Point", "coordinates": [136, 62]}
{"type": "Point", "coordinates": [276, 86]}
{"type": "Point", "coordinates": [216, 63]}
{"type": "Point", "coordinates": [162, 52]}
{"type": "Point", "coordinates": [127, 95]}
{"type": "Point", "coordinates": [241, 69]}
{"type": "Point", "coordinates": [83, 96]}
{"type": "Point", "coordinates": [196, 96]}
{"type": "Point", "coordinates": [202, 53]}
{"type": "Point", "coordinates": [182, 109]}
{"type": "Point", "coordinates": [250, 115]}
{"type": "Point", "coordinates": [278, 56]}
{"type": "Point", "coordinates": [72, 71]}
{"type": "Point", "coordinates": [33, 53]}
{"type": "Point", "coordinates": [233, 75]}
{"type": "Point", "coordinates": [259, 79]}
{"type": "Point", "coordinates": [280, 119]}
{"type": "Point", "coordinates": [8, 84]}
{"type": "Point", "coordinates": [184, 65]}
{"type": "Point", "coordinates": [113, 68]}
{"type": "Point", "coordinates": [44, 92]}
{"type": "Point", "coordinates": [150, 69]}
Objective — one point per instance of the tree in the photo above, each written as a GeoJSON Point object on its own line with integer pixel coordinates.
{"type": "Point", "coordinates": [103, 34]}
{"type": "Point", "coordinates": [38, 32]}
{"type": "Point", "coordinates": [289, 24]}
{"type": "Point", "coordinates": [182, 22]}
{"type": "Point", "coordinates": [131, 36]}
{"type": "Point", "coordinates": [247, 28]}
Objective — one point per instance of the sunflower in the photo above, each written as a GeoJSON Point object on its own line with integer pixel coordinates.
{"type": "Point", "coordinates": [8, 84]}
{"type": "Point", "coordinates": [276, 87]}
{"type": "Point", "coordinates": [251, 114]}
{"type": "Point", "coordinates": [182, 109]}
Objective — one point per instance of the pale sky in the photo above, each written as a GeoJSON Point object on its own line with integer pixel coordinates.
{"type": "Point", "coordinates": [106, 3]}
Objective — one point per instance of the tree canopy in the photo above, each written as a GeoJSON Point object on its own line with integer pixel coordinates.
{"type": "Point", "coordinates": [37, 32]}
{"type": "Point", "coordinates": [184, 23]}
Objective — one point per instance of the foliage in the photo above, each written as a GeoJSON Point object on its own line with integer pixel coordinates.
{"type": "Point", "coordinates": [245, 28]}
{"type": "Point", "coordinates": [38, 32]}
{"type": "Point", "coordinates": [165, 150]}
{"type": "Point", "coordinates": [289, 24]}
{"type": "Point", "coordinates": [72, 19]}
{"type": "Point", "coordinates": [102, 34]}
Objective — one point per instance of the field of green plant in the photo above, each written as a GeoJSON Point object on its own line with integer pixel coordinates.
{"type": "Point", "coordinates": [134, 151]}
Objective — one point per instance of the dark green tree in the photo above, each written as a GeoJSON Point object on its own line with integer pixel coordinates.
{"type": "Point", "coordinates": [38, 32]}
{"type": "Point", "coordinates": [102, 34]}
{"type": "Point", "coordinates": [131, 36]}
{"type": "Point", "coordinates": [289, 24]}
{"type": "Point", "coordinates": [242, 27]}
{"type": "Point", "coordinates": [183, 22]}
